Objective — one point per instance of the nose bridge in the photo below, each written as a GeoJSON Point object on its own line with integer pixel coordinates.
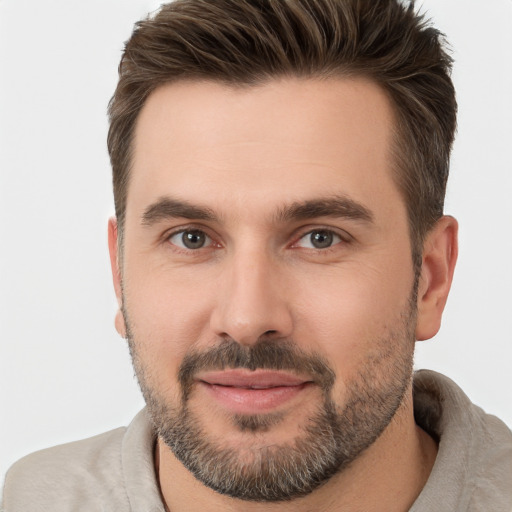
{"type": "Point", "coordinates": [251, 301]}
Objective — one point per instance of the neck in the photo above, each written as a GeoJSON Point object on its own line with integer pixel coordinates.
{"type": "Point", "coordinates": [388, 476]}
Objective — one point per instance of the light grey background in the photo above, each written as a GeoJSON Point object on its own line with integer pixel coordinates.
{"type": "Point", "coordinates": [64, 372]}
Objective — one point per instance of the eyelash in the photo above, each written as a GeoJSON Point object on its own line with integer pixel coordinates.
{"type": "Point", "coordinates": [190, 229]}
{"type": "Point", "coordinates": [344, 238]}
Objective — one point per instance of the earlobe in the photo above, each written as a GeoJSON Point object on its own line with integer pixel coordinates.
{"type": "Point", "coordinates": [440, 251]}
{"type": "Point", "coordinates": [120, 324]}
{"type": "Point", "coordinates": [116, 274]}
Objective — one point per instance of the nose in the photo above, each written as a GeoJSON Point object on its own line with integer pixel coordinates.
{"type": "Point", "coordinates": [251, 301]}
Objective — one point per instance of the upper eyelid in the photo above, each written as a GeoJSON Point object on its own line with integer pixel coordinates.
{"type": "Point", "coordinates": [187, 227]}
{"type": "Point", "coordinates": [166, 236]}
{"type": "Point", "coordinates": [166, 239]}
{"type": "Point", "coordinates": [296, 235]}
{"type": "Point", "coordinates": [301, 233]}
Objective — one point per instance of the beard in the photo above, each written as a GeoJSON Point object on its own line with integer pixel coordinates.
{"type": "Point", "coordinates": [329, 440]}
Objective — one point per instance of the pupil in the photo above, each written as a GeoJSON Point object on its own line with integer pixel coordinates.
{"type": "Point", "coordinates": [193, 239]}
{"type": "Point", "coordinates": [321, 239]}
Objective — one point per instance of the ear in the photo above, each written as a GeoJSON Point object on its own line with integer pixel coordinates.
{"type": "Point", "coordinates": [440, 251]}
{"type": "Point", "coordinates": [116, 274]}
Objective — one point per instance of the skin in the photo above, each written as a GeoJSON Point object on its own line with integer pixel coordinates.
{"type": "Point", "coordinates": [245, 154]}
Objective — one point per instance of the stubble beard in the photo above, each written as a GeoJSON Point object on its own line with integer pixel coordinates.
{"type": "Point", "coordinates": [329, 440]}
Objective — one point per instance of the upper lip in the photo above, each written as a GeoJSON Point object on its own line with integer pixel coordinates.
{"type": "Point", "coordinates": [258, 379]}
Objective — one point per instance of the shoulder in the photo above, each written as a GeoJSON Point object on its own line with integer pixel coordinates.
{"type": "Point", "coordinates": [473, 469]}
{"type": "Point", "coordinates": [111, 472]}
{"type": "Point", "coordinates": [71, 476]}
{"type": "Point", "coordinates": [491, 476]}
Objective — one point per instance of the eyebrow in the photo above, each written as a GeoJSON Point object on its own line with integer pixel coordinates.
{"type": "Point", "coordinates": [333, 206]}
{"type": "Point", "coordinates": [168, 208]}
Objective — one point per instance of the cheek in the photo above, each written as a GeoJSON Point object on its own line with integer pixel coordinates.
{"type": "Point", "coordinates": [167, 314]}
{"type": "Point", "coordinates": [345, 315]}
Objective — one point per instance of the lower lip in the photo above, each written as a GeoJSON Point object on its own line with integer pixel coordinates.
{"type": "Point", "coordinates": [253, 401]}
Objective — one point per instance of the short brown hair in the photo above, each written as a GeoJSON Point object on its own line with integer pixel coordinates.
{"type": "Point", "coordinates": [248, 42]}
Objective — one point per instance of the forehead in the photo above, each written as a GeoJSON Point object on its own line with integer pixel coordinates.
{"type": "Point", "coordinates": [281, 140]}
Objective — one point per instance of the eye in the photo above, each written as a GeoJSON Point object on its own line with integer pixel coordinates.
{"type": "Point", "coordinates": [319, 239]}
{"type": "Point", "coordinates": [190, 239]}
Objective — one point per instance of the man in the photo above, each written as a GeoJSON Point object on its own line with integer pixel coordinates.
{"type": "Point", "coordinates": [279, 176]}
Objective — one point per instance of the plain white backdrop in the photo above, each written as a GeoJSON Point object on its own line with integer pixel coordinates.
{"type": "Point", "coordinates": [64, 372]}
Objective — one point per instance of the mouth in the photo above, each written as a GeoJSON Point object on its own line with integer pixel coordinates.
{"type": "Point", "coordinates": [252, 392]}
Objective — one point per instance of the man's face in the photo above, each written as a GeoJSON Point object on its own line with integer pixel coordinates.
{"type": "Point", "coordinates": [268, 286]}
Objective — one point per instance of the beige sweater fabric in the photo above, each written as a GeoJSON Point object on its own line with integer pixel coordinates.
{"type": "Point", "coordinates": [114, 472]}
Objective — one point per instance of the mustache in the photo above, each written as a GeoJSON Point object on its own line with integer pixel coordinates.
{"type": "Point", "coordinates": [264, 354]}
